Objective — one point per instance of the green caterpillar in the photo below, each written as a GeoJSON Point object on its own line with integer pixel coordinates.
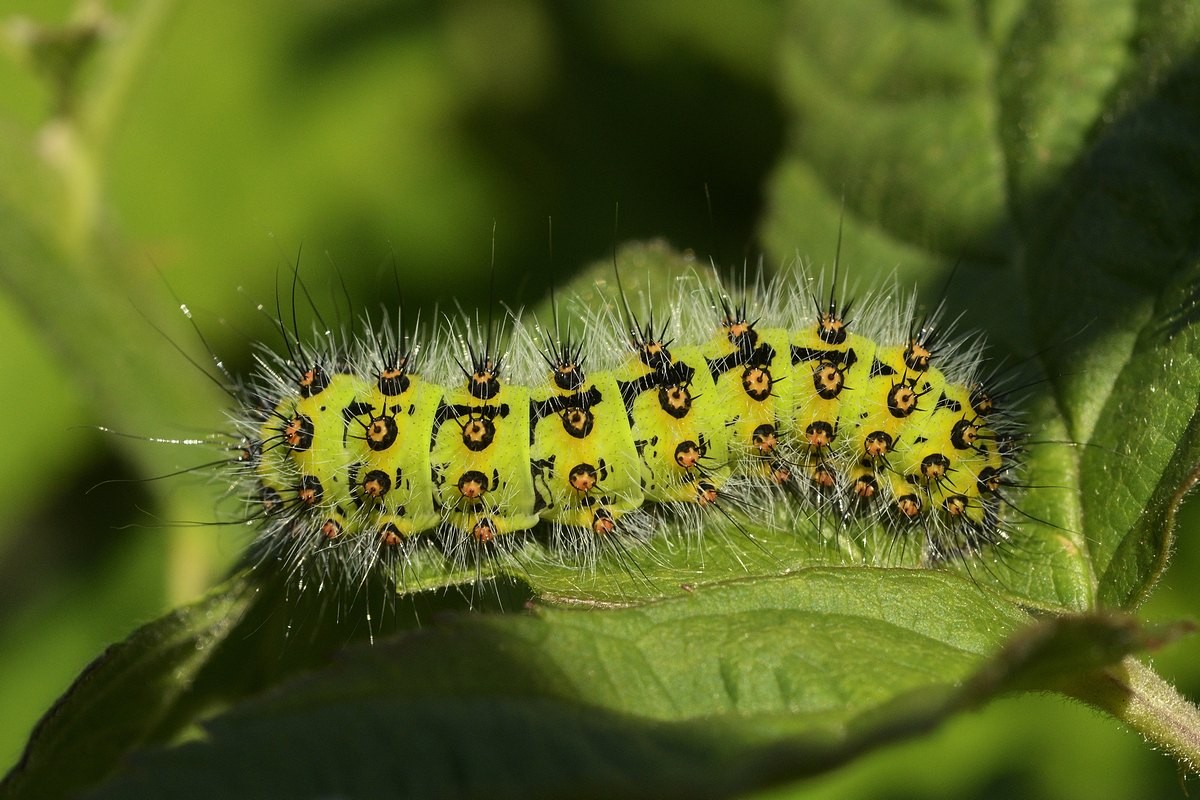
{"type": "Point", "coordinates": [369, 444]}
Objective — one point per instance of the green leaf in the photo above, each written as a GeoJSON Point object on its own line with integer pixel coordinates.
{"type": "Point", "coordinates": [728, 688]}
{"type": "Point", "coordinates": [243, 638]}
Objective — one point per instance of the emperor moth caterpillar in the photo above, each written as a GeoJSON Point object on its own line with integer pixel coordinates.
{"type": "Point", "coordinates": [362, 449]}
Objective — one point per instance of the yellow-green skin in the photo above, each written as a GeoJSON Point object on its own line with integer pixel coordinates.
{"type": "Point", "coordinates": [754, 397]}
{"type": "Point", "coordinates": [586, 468]}
{"type": "Point", "coordinates": [401, 465]}
{"type": "Point", "coordinates": [513, 480]}
{"type": "Point", "coordinates": [340, 457]}
{"type": "Point", "coordinates": [853, 359]}
{"type": "Point", "coordinates": [506, 501]}
{"type": "Point", "coordinates": [659, 436]}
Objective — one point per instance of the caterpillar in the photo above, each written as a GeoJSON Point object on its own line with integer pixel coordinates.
{"type": "Point", "coordinates": [364, 451]}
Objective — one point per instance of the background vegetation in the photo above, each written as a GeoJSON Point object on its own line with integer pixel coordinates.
{"type": "Point", "coordinates": [209, 143]}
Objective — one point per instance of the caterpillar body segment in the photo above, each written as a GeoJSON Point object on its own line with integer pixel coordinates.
{"type": "Point", "coordinates": [481, 455]}
{"type": "Point", "coordinates": [677, 424]}
{"type": "Point", "coordinates": [586, 469]}
{"type": "Point", "coordinates": [392, 477]}
{"type": "Point", "coordinates": [752, 373]}
{"type": "Point", "coordinates": [830, 401]}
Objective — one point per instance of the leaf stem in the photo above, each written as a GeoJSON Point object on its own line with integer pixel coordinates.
{"type": "Point", "coordinates": [1135, 694]}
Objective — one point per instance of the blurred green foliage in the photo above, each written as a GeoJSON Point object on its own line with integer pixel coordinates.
{"type": "Point", "coordinates": [407, 140]}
